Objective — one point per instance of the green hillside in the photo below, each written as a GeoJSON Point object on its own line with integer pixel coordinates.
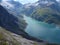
{"type": "Point", "coordinates": [47, 15]}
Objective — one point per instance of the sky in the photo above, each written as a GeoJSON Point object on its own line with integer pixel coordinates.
{"type": "Point", "coordinates": [26, 1]}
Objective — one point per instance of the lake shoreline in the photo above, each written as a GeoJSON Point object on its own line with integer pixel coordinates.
{"type": "Point", "coordinates": [40, 30]}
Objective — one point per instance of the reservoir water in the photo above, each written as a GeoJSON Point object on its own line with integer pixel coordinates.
{"type": "Point", "coordinates": [41, 30]}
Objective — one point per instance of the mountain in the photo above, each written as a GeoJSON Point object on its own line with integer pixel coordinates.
{"type": "Point", "coordinates": [13, 6]}
{"type": "Point", "coordinates": [46, 11]}
{"type": "Point", "coordinates": [10, 21]}
{"type": "Point", "coordinates": [28, 10]}
{"type": "Point", "coordinates": [14, 11]}
{"type": "Point", "coordinates": [18, 7]}
{"type": "Point", "coordinates": [49, 3]}
{"type": "Point", "coordinates": [15, 3]}
{"type": "Point", "coordinates": [14, 23]}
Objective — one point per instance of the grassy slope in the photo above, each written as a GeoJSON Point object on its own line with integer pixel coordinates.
{"type": "Point", "coordinates": [6, 38]}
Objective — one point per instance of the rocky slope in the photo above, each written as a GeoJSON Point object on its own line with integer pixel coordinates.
{"type": "Point", "coordinates": [9, 38]}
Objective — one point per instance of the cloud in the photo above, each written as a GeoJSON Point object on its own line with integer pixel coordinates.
{"type": "Point", "coordinates": [57, 0]}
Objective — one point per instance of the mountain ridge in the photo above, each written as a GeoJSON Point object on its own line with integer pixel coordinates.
{"type": "Point", "coordinates": [47, 11]}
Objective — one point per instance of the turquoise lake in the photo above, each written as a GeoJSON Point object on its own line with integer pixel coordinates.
{"type": "Point", "coordinates": [41, 30]}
